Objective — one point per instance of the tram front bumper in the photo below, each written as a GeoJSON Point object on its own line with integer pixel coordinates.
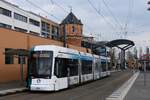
{"type": "Point", "coordinates": [35, 87]}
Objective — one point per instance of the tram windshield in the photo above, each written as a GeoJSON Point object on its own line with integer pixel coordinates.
{"type": "Point", "coordinates": [41, 63]}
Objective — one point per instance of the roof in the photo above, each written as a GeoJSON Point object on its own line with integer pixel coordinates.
{"type": "Point", "coordinates": [71, 19]}
{"type": "Point", "coordinates": [117, 42]}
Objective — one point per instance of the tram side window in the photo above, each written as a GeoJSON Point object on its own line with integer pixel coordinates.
{"type": "Point", "coordinates": [109, 67]}
{"type": "Point", "coordinates": [60, 67]}
{"type": "Point", "coordinates": [86, 67]}
{"type": "Point", "coordinates": [103, 64]}
{"type": "Point", "coordinates": [72, 64]}
{"type": "Point", "coordinates": [97, 65]}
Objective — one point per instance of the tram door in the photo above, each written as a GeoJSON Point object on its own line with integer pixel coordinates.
{"type": "Point", "coordinates": [79, 71]}
{"type": "Point", "coordinates": [68, 75]}
{"type": "Point", "coordinates": [61, 72]}
{"type": "Point", "coordinates": [100, 69]}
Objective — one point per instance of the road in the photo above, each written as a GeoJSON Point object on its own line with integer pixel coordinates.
{"type": "Point", "coordinates": [97, 90]}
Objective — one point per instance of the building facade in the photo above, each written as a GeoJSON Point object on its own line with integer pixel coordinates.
{"type": "Point", "coordinates": [13, 17]}
{"type": "Point", "coordinates": [71, 28]}
{"type": "Point", "coordinates": [20, 29]}
{"type": "Point", "coordinates": [9, 65]}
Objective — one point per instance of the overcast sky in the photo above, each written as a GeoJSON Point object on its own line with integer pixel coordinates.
{"type": "Point", "coordinates": [112, 19]}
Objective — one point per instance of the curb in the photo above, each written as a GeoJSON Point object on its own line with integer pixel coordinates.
{"type": "Point", "coordinates": [123, 90]}
{"type": "Point", "coordinates": [12, 91]}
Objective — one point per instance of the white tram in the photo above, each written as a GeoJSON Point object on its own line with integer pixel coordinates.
{"type": "Point", "coordinates": [52, 68]}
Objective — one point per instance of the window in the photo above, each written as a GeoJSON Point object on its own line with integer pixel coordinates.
{"type": "Point", "coordinates": [60, 67]}
{"type": "Point", "coordinates": [55, 32]}
{"type": "Point", "coordinates": [45, 27]}
{"type": "Point", "coordinates": [20, 17]}
{"type": "Point", "coordinates": [103, 65]}
{"type": "Point", "coordinates": [5, 12]}
{"type": "Point", "coordinates": [73, 29]}
{"type": "Point", "coordinates": [5, 25]}
{"type": "Point", "coordinates": [72, 64]}
{"type": "Point", "coordinates": [86, 66]}
{"type": "Point", "coordinates": [109, 67]}
{"type": "Point", "coordinates": [20, 29]}
{"type": "Point", "coordinates": [23, 60]}
{"type": "Point", "coordinates": [65, 66]}
{"type": "Point", "coordinates": [97, 66]}
{"type": "Point", "coordinates": [34, 22]}
{"type": "Point", "coordinates": [45, 34]}
{"type": "Point", "coordinates": [9, 59]}
{"type": "Point", "coordinates": [41, 63]}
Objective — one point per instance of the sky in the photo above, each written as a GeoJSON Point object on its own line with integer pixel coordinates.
{"type": "Point", "coordinates": [102, 19]}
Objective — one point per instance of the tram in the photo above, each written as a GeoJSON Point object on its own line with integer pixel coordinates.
{"type": "Point", "coordinates": [52, 68]}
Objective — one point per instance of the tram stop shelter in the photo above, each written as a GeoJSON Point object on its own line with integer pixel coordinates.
{"type": "Point", "coordinates": [123, 45]}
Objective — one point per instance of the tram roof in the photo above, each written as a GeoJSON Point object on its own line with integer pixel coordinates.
{"type": "Point", "coordinates": [63, 49]}
{"type": "Point", "coordinates": [53, 48]}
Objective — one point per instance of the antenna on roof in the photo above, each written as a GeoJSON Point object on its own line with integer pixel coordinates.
{"type": "Point", "coordinates": [70, 8]}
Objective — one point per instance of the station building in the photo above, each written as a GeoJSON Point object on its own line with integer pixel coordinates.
{"type": "Point", "coordinates": [21, 29]}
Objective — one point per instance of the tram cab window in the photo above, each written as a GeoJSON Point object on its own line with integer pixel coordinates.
{"type": "Point", "coordinates": [86, 67]}
{"type": "Point", "coordinates": [41, 63]}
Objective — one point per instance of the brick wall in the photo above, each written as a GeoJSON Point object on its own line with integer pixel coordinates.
{"type": "Point", "coordinates": [73, 38]}
{"type": "Point", "coordinates": [17, 40]}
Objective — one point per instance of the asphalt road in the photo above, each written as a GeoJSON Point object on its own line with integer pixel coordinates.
{"type": "Point", "coordinates": [97, 90]}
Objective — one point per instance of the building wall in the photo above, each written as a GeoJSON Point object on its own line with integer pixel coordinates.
{"type": "Point", "coordinates": [51, 26]}
{"type": "Point", "coordinates": [16, 23]}
{"type": "Point", "coordinates": [75, 37]}
{"type": "Point", "coordinates": [18, 40]}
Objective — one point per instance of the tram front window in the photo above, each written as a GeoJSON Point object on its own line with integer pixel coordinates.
{"type": "Point", "coordinates": [41, 64]}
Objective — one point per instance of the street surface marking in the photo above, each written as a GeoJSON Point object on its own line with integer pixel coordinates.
{"type": "Point", "coordinates": [123, 90]}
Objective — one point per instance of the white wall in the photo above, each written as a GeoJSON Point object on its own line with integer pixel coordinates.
{"type": "Point", "coordinates": [16, 23]}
